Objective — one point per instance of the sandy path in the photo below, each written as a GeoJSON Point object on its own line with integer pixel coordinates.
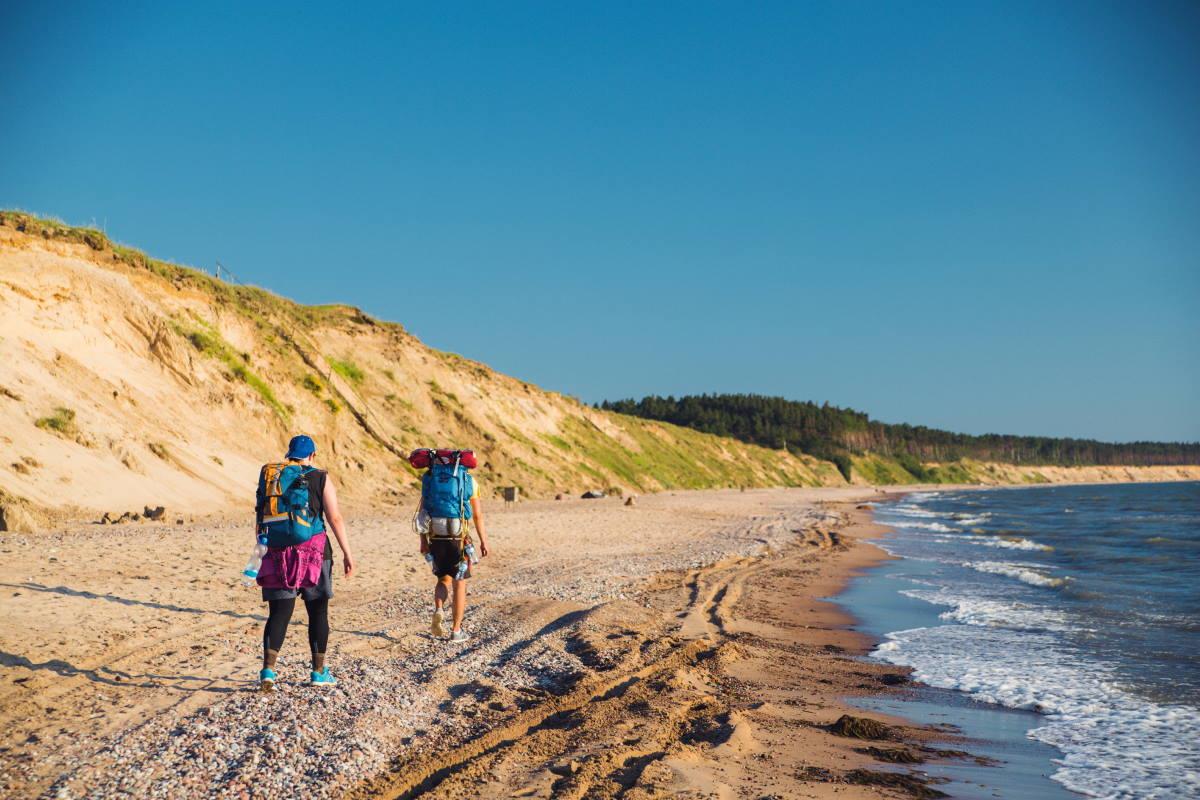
{"type": "Point", "coordinates": [128, 654]}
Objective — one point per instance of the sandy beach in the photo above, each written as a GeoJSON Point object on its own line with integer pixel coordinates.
{"type": "Point", "coordinates": [679, 647]}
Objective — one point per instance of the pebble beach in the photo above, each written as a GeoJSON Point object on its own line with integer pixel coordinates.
{"type": "Point", "coordinates": [131, 651]}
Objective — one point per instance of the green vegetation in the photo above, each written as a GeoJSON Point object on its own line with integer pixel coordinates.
{"type": "Point", "coordinates": [333, 405]}
{"type": "Point", "coordinates": [683, 459]}
{"type": "Point", "coordinates": [265, 309]}
{"type": "Point", "coordinates": [438, 391]}
{"type": "Point", "coordinates": [347, 369]}
{"type": "Point", "coordinates": [62, 422]}
{"type": "Point", "coordinates": [954, 472]}
{"type": "Point", "coordinates": [879, 470]}
{"type": "Point", "coordinates": [210, 343]}
{"type": "Point", "coordinates": [49, 228]}
{"type": "Point", "coordinates": [884, 453]}
{"type": "Point", "coordinates": [557, 441]}
{"type": "Point", "coordinates": [312, 384]}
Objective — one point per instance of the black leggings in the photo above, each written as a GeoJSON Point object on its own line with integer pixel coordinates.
{"type": "Point", "coordinates": [281, 614]}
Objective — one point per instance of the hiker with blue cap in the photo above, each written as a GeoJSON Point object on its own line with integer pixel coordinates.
{"type": "Point", "coordinates": [295, 502]}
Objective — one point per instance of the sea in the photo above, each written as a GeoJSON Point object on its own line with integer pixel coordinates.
{"type": "Point", "coordinates": [1057, 627]}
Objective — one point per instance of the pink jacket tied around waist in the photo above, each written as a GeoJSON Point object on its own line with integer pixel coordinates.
{"type": "Point", "coordinates": [295, 567]}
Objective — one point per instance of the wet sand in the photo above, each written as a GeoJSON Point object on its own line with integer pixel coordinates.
{"type": "Point", "coordinates": [677, 648]}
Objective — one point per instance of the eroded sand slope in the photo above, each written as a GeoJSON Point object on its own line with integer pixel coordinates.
{"type": "Point", "coordinates": [130, 384]}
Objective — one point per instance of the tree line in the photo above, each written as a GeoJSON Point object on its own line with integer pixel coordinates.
{"type": "Point", "coordinates": [831, 433]}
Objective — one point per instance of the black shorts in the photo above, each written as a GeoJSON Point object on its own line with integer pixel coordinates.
{"type": "Point", "coordinates": [322, 591]}
{"type": "Point", "coordinates": [447, 554]}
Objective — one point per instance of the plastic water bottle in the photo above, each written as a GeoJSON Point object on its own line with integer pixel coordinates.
{"type": "Point", "coordinates": [429, 561]}
{"type": "Point", "coordinates": [465, 564]}
{"type": "Point", "coordinates": [250, 573]}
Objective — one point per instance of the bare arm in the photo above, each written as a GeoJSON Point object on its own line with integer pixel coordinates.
{"type": "Point", "coordinates": [477, 516]}
{"type": "Point", "coordinates": [334, 516]}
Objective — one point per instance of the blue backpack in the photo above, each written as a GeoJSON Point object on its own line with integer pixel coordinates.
{"type": "Point", "coordinates": [285, 513]}
{"type": "Point", "coordinates": [446, 491]}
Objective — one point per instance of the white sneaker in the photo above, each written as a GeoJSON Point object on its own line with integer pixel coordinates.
{"type": "Point", "coordinates": [459, 636]}
{"type": "Point", "coordinates": [438, 627]}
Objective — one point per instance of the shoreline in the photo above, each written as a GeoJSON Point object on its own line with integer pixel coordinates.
{"type": "Point", "coordinates": [1007, 763]}
{"type": "Point", "coordinates": [732, 711]}
{"type": "Point", "coordinates": [662, 649]}
{"type": "Point", "coordinates": [1004, 657]}
{"type": "Point", "coordinates": [693, 643]}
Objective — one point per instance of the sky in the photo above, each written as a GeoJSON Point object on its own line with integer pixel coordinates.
{"type": "Point", "coordinates": [977, 216]}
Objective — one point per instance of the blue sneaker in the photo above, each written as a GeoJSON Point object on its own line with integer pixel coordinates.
{"type": "Point", "coordinates": [266, 680]}
{"type": "Point", "coordinates": [322, 678]}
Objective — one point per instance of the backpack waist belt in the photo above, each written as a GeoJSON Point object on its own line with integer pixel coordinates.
{"type": "Point", "coordinates": [460, 536]}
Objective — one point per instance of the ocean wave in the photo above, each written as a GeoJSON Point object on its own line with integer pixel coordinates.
{"type": "Point", "coordinates": [1011, 543]}
{"type": "Point", "coordinates": [1095, 724]}
{"type": "Point", "coordinates": [968, 520]}
{"type": "Point", "coordinates": [1027, 573]}
{"type": "Point", "coordinates": [990, 613]}
{"type": "Point", "coordinates": [1005, 542]}
{"type": "Point", "coordinates": [913, 511]}
{"type": "Point", "coordinates": [925, 526]}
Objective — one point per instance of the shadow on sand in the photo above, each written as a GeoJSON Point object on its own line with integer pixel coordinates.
{"type": "Point", "coordinates": [114, 677]}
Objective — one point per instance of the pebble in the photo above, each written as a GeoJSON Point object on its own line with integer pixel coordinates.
{"type": "Point", "coordinates": [294, 742]}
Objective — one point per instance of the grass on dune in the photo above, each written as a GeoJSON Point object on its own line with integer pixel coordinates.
{"type": "Point", "coordinates": [347, 369]}
{"type": "Point", "coordinates": [61, 422]}
{"type": "Point", "coordinates": [209, 342]}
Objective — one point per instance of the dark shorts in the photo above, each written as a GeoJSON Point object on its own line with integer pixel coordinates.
{"type": "Point", "coordinates": [447, 553]}
{"type": "Point", "coordinates": [322, 591]}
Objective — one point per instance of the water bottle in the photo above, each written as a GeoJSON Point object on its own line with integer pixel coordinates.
{"type": "Point", "coordinates": [465, 564]}
{"type": "Point", "coordinates": [250, 573]}
{"type": "Point", "coordinates": [429, 561]}
{"type": "Point", "coordinates": [470, 552]}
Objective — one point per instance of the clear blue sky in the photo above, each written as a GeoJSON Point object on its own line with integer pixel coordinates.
{"type": "Point", "coordinates": [977, 216]}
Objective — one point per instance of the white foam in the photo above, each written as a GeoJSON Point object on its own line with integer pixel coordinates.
{"type": "Point", "coordinates": [993, 613]}
{"type": "Point", "coordinates": [913, 511]}
{"type": "Point", "coordinates": [926, 526]}
{"type": "Point", "coordinates": [952, 536]}
{"type": "Point", "coordinates": [971, 519]}
{"type": "Point", "coordinates": [1027, 573]}
{"type": "Point", "coordinates": [1114, 744]}
{"type": "Point", "coordinates": [1009, 543]}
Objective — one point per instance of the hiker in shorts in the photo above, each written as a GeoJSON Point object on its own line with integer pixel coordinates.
{"type": "Point", "coordinates": [301, 570]}
{"type": "Point", "coordinates": [449, 500]}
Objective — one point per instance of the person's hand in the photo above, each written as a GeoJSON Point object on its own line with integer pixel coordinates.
{"type": "Point", "coordinates": [348, 564]}
{"type": "Point", "coordinates": [424, 546]}
{"type": "Point", "coordinates": [483, 549]}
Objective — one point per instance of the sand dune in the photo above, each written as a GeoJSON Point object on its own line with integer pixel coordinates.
{"type": "Point", "coordinates": [127, 382]}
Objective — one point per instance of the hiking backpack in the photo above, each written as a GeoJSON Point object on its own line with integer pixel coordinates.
{"type": "Point", "coordinates": [447, 487]}
{"type": "Point", "coordinates": [285, 512]}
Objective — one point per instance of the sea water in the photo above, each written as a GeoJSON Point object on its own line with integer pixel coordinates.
{"type": "Point", "coordinates": [1077, 607]}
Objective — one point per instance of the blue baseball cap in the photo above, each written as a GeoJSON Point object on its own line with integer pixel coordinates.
{"type": "Point", "coordinates": [301, 447]}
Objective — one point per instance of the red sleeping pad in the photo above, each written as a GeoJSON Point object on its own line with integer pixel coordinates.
{"type": "Point", "coordinates": [423, 458]}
